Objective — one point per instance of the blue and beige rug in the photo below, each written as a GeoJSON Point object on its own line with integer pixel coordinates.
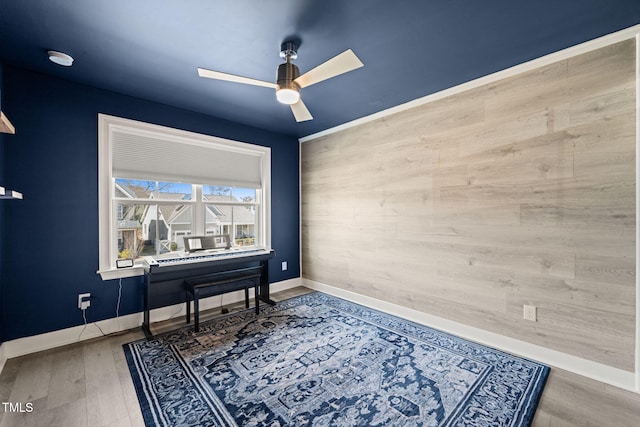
{"type": "Point", "coordinates": [317, 360]}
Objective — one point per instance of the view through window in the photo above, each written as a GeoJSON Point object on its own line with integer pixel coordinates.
{"type": "Point", "coordinates": [154, 217]}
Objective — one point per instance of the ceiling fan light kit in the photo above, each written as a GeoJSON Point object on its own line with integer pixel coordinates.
{"type": "Point", "coordinates": [288, 78]}
{"type": "Point", "coordinates": [287, 96]}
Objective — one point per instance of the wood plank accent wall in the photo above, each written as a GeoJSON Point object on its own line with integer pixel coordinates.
{"type": "Point", "coordinates": [516, 192]}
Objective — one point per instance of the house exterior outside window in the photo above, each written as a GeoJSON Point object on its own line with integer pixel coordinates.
{"type": "Point", "coordinates": [154, 228]}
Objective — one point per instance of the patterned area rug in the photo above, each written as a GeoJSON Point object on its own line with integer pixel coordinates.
{"type": "Point", "coordinates": [317, 360]}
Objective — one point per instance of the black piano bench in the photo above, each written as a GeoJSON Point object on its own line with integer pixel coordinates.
{"type": "Point", "coordinates": [217, 284]}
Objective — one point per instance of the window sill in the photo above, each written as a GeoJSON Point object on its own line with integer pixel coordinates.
{"type": "Point", "coordinates": [121, 273]}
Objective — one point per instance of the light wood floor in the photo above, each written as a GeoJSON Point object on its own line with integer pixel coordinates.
{"type": "Point", "coordinates": [88, 384]}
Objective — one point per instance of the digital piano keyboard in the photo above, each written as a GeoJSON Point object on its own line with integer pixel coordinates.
{"type": "Point", "coordinates": [165, 275]}
{"type": "Point", "coordinates": [184, 258]}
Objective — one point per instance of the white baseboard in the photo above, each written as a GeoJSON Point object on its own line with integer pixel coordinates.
{"type": "Point", "coordinates": [285, 284]}
{"type": "Point", "coordinates": [597, 371]}
{"type": "Point", "coordinates": [577, 365]}
{"type": "Point", "coordinates": [49, 340]}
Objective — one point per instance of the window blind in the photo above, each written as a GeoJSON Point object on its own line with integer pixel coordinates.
{"type": "Point", "coordinates": [169, 159]}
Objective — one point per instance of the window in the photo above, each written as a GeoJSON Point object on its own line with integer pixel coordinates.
{"type": "Point", "coordinates": [232, 211]}
{"type": "Point", "coordinates": [158, 185]}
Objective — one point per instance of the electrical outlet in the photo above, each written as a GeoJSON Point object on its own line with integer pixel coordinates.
{"type": "Point", "coordinates": [83, 301]}
{"type": "Point", "coordinates": [529, 312]}
{"type": "Point", "coordinates": [284, 265]}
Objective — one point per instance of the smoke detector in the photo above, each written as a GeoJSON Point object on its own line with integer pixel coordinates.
{"type": "Point", "coordinates": [60, 58]}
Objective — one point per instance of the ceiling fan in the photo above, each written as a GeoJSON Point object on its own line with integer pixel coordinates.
{"type": "Point", "coordinates": [289, 81]}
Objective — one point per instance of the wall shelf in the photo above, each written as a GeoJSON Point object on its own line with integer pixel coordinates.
{"type": "Point", "coordinates": [5, 125]}
{"type": "Point", "coordinates": [10, 194]}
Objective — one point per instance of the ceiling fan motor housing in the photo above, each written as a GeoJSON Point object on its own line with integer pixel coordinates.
{"type": "Point", "coordinates": [287, 91]}
{"type": "Point", "coordinates": [287, 73]}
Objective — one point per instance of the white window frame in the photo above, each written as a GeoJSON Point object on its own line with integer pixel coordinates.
{"type": "Point", "coordinates": [107, 211]}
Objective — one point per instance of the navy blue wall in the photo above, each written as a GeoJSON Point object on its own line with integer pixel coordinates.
{"type": "Point", "coordinates": [2, 202]}
{"type": "Point", "coordinates": [51, 238]}
{"type": "Point", "coordinates": [2, 183]}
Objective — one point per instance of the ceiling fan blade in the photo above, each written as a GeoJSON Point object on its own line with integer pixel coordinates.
{"type": "Point", "coordinates": [300, 112]}
{"type": "Point", "coordinates": [342, 63]}
{"type": "Point", "coordinates": [210, 74]}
